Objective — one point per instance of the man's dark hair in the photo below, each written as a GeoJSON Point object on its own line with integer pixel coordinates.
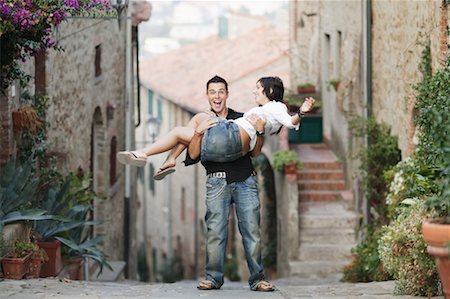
{"type": "Point", "coordinates": [273, 88]}
{"type": "Point", "coordinates": [217, 79]}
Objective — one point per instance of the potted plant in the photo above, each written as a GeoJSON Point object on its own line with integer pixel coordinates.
{"type": "Point", "coordinates": [293, 102]}
{"type": "Point", "coordinates": [79, 244]}
{"type": "Point", "coordinates": [334, 83]}
{"type": "Point", "coordinates": [16, 262]}
{"type": "Point", "coordinates": [37, 258]}
{"type": "Point", "coordinates": [436, 230]}
{"type": "Point", "coordinates": [26, 118]}
{"type": "Point", "coordinates": [306, 88]}
{"type": "Point", "coordinates": [286, 161]}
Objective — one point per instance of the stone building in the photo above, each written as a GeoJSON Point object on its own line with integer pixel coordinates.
{"type": "Point", "coordinates": [372, 49]}
{"type": "Point", "coordinates": [88, 86]}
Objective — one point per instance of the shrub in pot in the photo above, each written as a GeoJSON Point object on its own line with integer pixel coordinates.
{"type": "Point", "coordinates": [16, 262]}
{"type": "Point", "coordinates": [286, 161]}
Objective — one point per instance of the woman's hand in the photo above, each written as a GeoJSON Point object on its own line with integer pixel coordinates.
{"type": "Point", "coordinates": [257, 122]}
{"type": "Point", "coordinates": [307, 105]}
{"type": "Point", "coordinates": [205, 125]}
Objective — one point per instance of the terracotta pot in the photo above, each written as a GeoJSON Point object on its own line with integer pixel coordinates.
{"type": "Point", "coordinates": [35, 267]}
{"type": "Point", "coordinates": [306, 89]}
{"type": "Point", "coordinates": [290, 168]}
{"type": "Point", "coordinates": [54, 263]}
{"type": "Point", "coordinates": [75, 268]}
{"type": "Point", "coordinates": [18, 121]}
{"type": "Point", "coordinates": [15, 268]}
{"type": "Point", "coordinates": [437, 237]}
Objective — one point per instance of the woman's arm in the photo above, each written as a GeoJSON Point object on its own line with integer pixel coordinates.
{"type": "Point", "coordinates": [258, 123]}
{"type": "Point", "coordinates": [305, 108]}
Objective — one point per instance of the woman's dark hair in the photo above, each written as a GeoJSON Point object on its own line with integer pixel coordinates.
{"type": "Point", "coordinates": [273, 88]}
{"type": "Point", "coordinates": [217, 79]}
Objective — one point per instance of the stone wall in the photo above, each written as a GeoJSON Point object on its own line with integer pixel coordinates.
{"type": "Point", "coordinates": [399, 29]}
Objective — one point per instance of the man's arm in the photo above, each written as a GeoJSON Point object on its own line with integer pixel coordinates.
{"type": "Point", "coordinates": [258, 123]}
{"type": "Point", "coordinates": [195, 145]}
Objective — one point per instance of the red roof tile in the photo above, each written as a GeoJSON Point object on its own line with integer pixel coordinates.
{"type": "Point", "coordinates": [180, 75]}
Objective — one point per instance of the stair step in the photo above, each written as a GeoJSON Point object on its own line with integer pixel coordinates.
{"type": "Point", "coordinates": [316, 269]}
{"type": "Point", "coordinates": [321, 185]}
{"type": "Point", "coordinates": [320, 174]}
{"type": "Point", "coordinates": [336, 236]}
{"type": "Point", "coordinates": [325, 252]}
{"type": "Point", "coordinates": [108, 275]}
{"type": "Point", "coordinates": [321, 221]}
{"type": "Point", "coordinates": [322, 165]}
{"type": "Point", "coordinates": [318, 195]}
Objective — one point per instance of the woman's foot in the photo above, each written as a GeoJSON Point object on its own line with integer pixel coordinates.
{"type": "Point", "coordinates": [134, 158]}
{"type": "Point", "coordinates": [168, 167]}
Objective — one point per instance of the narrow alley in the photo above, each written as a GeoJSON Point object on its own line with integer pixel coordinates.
{"type": "Point", "coordinates": [289, 289]}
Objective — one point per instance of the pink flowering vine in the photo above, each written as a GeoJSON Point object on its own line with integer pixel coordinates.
{"type": "Point", "coordinates": [26, 27]}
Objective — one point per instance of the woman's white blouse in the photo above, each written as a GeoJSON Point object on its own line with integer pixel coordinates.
{"type": "Point", "coordinates": [275, 114]}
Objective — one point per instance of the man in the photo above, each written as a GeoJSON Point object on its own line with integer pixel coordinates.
{"type": "Point", "coordinates": [230, 182]}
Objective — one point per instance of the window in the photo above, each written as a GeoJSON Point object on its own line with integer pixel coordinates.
{"type": "Point", "coordinates": [327, 60]}
{"type": "Point", "coordinates": [112, 162]}
{"type": "Point", "coordinates": [159, 107]}
{"type": "Point", "coordinates": [338, 54]}
{"type": "Point", "coordinates": [151, 181]}
{"type": "Point", "coordinates": [98, 61]}
{"type": "Point", "coordinates": [183, 204]}
{"type": "Point", "coordinates": [150, 102]}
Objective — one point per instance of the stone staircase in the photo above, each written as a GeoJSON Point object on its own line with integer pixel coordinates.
{"type": "Point", "coordinates": [327, 224]}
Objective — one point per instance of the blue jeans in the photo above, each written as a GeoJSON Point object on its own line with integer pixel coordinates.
{"type": "Point", "coordinates": [222, 143]}
{"type": "Point", "coordinates": [219, 196]}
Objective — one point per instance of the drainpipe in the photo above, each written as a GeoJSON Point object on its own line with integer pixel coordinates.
{"type": "Point", "coordinates": [367, 81]}
{"type": "Point", "coordinates": [128, 131]}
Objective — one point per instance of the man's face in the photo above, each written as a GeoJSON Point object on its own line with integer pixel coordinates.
{"type": "Point", "coordinates": [217, 97]}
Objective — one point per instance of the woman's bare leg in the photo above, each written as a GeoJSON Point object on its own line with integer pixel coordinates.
{"type": "Point", "coordinates": [178, 149]}
{"type": "Point", "coordinates": [178, 135]}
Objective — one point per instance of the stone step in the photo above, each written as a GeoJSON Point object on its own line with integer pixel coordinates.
{"type": "Point", "coordinates": [321, 165]}
{"type": "Point", "coordinates": [316, 269]}
{"type": "Point", "coordinates": [318, 195]}
{"type": "Point", "coordinates": [325, 252]}
{"type": "Point", "coordinates": [320, 174]}
{"type": "Point", "coordinates": [332, 221]}
{"type": "Point", "coordinates": [338, 236]}
{"type": "Point", "coordinates": [108, 275]}
{"type": "Point", "coordinates": [321, 185]}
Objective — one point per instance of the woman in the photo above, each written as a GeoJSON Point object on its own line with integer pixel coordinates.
{"type": "Point", "coordinates": [227, 140]}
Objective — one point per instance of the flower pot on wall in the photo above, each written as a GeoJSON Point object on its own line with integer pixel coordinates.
{"type": "Point", "coordinates": [290, 168]}
{"type": "Point", "coordinates": [54, 263]}
{"type": "Point", "coordinates": [15, 268]}
{"type": "Point", "coordinates": [437, 237]}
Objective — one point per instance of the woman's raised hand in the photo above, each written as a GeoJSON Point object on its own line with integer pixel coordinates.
{"type": "Point", "coordinates": [307, 105]}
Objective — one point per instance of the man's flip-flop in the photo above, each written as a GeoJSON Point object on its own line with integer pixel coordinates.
{"type": "Point", "coordinates": [132, 158]}
{"type": "Point", "coordinates": [206, 285]}
{"type": "Point", "coordinates": [161, 173]}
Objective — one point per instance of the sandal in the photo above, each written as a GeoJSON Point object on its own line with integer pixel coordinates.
{"type": "Point", "coordinates": [161, 173]}
{"type": "Point", "coordinates": [134, 158]}
{"type": "Point", "coordinates": [264, 286]}
{"type": "Point", "coordinates": [206, 285]}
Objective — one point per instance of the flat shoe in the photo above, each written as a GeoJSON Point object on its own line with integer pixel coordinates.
{"type": "Point", "coordinates": [132, 158]}
{"type": "Point", "coordinates": [162, 173]}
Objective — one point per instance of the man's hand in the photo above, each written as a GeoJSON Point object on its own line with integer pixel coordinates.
{"type": "Point", "coordinates": [206, 124]}
{"type": "Point", "coordinates": [307, 105]}
{"type": "Point", "coordinates": [257, 122]}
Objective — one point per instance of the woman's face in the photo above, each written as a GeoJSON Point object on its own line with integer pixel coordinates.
{"type": "Point", "coordinates": [260, 96]}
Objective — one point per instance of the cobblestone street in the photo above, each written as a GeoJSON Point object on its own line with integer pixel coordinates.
{"type": "Point", "coordinates": [288, 289]}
